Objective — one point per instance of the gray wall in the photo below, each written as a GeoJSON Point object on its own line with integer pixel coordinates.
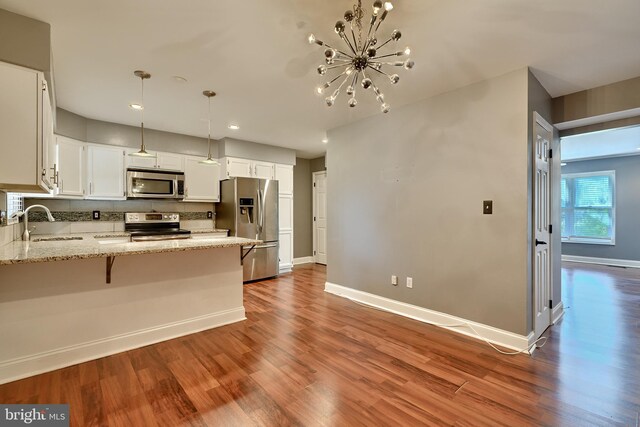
{"type": "Point", "coordinates": [25, 41]}
{"type": "Point", "coordinates": [303, 205]}
{"type": "Point", "coordinates": [230, 147]}
{"type": "Point", "coordinates": [405, 196]}
{"type": "Point", "coordinates": [627, 208]}
{"type": "Point", "coordinates": [99, 132]}
{"type": "Point", "coordinates": [607, 99]}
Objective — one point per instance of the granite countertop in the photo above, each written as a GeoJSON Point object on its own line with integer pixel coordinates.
{"type": "Point", "coordinates": [92, 245]}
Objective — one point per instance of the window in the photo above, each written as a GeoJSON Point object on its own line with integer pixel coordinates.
{"type": "Point", "coordinates": [588, 207]}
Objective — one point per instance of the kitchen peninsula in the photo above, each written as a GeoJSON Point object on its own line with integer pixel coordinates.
{"type": "Point", "coordinates": [56, 308]}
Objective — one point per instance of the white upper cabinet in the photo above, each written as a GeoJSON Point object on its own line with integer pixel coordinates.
{"type": "Point", "coordinates": [171, 161]}
{"type": "Point", "coordinates": [237, 168]}
{"type": "Point", "coordinates": [263, 170]}
{"type": "Point", "coordinates": [165, 161]}
{"type": "Point", "coordinates": [105, 173]}
{"type": "Point", "coordinates": [26, 129]}
{"type": "Point", "coordinates": [70, 167]}
{"type": "Point", "coordinates": [284, 175]}
{"type": "Point", "coordinates": [201, 181]}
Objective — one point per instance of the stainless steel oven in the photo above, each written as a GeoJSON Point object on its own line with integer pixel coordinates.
{"type": "Point", "coordinates": [143, 184]}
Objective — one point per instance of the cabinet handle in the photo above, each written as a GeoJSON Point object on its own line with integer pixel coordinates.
{"type": "Point", "coordinates": [90, 188]}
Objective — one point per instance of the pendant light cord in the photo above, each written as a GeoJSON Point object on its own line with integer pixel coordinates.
{"type": "Point", "coordinates": [143, 148]}
{"type": "Point", "coordinates": [209, 122]}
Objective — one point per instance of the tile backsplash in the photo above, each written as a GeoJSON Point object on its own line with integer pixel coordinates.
{"type": "Point", "coordinates": [75, 216]}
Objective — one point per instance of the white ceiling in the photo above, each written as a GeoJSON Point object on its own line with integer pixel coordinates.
{"type": "Point", "coordinates": [255, 55]}
{"type": "Point", "coordinates": [607, 143]}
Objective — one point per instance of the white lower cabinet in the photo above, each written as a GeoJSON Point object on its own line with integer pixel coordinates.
{"type": "Point", "coordinates": [286, 251]}
{"type": "Point", "coordinates": [201, 181]}
{"type": "Point", "coordinates": [285, 219]}
{"type": "Point", "coordinates": [70, 164]}
{"type": "Point", "coordinates": [105, 173]}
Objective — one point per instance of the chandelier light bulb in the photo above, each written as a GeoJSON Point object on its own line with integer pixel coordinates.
{"type": "Point", "coordinates": [395, 35]}
{"type": "Point", "coordinates": [330, 53]}
{"type": "Point", "coordinates": [376, 66]}
{"type": "Point", "coordinates": [371, 52]}
{"type": "Point", "coordinates": [408, 64]}
{"type": "Point", "coordinates": [329, 61]}
{"type": "Point", "coordinates": [311, 39]}
{"type": "Point", "coordinates": [407, 50]}
{"type": "Point", "coordinates": [385, 108]}
{"type": "Point", "coordinates": [329, 100]}
{"type": "Point", "coordinates": [373, 41]}
{"type": "Point", "coordinates": [350, 90]}
{"type": "Point", "coordinates": [377, 5]}
{"type": "Point", "coordinates": [388, 6]}
{"type": "Point", "coordinates": [322, 70]}
{"type": "Point", "coordinates": [353, 102]}
{"type": "Point", "coordinates": [394, 79]}
{"type": "Point", "coordinates": [366, 83]}
{"type": "Point", "coordinates": [339, 28]}
{"type": "Point", "coordinates": [320, 89]}
{"type": "Point", "coordinates": [348, 15]}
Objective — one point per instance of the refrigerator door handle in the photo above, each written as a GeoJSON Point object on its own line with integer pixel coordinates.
{"type": "Point", "coordinates": [259, 213]}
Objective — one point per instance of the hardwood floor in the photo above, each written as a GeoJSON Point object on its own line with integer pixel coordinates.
{"type": "Point", "coordinates": [308, 358]}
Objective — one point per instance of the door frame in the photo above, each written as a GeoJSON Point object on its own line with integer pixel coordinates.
{"type": "Point", "coordinates": [539, 120]}
{"type": "Point", "coordinates": [314, 229]}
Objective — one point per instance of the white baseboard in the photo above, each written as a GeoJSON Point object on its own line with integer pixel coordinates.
{"type": "Point", "coordinates": [303, 260]}
{"type": "Point", "coordinates": [12, 370]}
{"type": "Point", "coordinates": [285, 269]}
{"type": "Point", "coordinates": [494, 335]}
{"type": "Point", "coordinates": [557, 312]}
{"type": "Point", "coordinates": [602, 261]}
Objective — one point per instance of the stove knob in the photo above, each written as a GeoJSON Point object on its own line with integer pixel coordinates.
{"type": "Point", "coordinates": [174, 216]}
{"type": "Point", "coordinates": [166, 217]}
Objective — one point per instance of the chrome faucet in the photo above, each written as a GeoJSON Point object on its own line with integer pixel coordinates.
{"type": "Point", "coordinates": [27, 235]}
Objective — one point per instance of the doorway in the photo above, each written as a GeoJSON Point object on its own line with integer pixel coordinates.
{"type": "Point", "coordinates": [320, 217]}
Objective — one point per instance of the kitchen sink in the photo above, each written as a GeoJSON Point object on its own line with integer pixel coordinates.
{"type": "Point", "coordinates": [55, 239]}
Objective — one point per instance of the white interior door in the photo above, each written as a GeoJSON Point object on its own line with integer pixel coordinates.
{"type": "Point", "coordinates": [320, 217]}
{"type": "Point", "coordinates": [542, 284]}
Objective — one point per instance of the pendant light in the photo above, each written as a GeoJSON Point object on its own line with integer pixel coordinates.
{"type": "Point", "coordinates": [143, 152]}
{"type": "Point", "coordinates": [209, 160]}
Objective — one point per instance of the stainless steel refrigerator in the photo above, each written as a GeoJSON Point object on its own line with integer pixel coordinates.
{"type": "Point", "coordinates": [249, 208]}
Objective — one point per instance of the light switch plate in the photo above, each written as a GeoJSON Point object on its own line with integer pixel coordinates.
{"type": "Point", "coordinates": [96, 215]}
{"type": "Point", "coordinates": [487, 207]}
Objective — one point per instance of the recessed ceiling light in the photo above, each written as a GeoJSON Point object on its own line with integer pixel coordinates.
{"type": "Point", "coordinates": [234, 126]}
{"type": "Point", "coordinates": [325, 140]}
{"type": "Point", "coordinates": [136, 106]}
{"type": "Point", "coordinates": [179, 79]}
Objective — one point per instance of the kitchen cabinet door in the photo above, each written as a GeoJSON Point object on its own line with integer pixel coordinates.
{"type": "Point", "coordinates": [263, 170]}
{"type": "Point", "coordinates": [284, 175]}
{"type": "Point", "coordinates": [105, 173]}
{"type": "Point", "coordinates": [170, 161]}
{"type": "Point", "coordinates": [201, 181]}
{"type": "Point", "coordinates": [70, 163]}
{"type": "Point", "coordinates": [134, 162]}
{"type": "Point", "coordinates": [238, 168]}
{"type": "Point", "coordinates": [49, 158]}
{"type": "Point", "coordinates": [285, 251]}
{"type": "Point", "coordinates": [24, 130]}
{"type": "Point", "coordinates": [285, 213]}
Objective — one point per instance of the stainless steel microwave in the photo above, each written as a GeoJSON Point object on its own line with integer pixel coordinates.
{"type": "Point", "coordinates": [142, 184]}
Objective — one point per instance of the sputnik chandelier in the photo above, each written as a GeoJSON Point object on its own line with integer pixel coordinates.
{"type": "Point", "coordinates": [365, 58]}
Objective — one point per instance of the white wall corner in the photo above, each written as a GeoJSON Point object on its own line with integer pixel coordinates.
{"type": "Point", "coordinates": [496, 336]}
{"type": "Point", "coordinates": [303, 260]}
{"type": "Point", "coordinates": [602, 261]}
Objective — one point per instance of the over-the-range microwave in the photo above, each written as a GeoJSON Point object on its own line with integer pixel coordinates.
{"type": "Point", "coordinates": [144, 184]}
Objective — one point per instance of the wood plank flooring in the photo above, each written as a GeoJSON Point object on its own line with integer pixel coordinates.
{"type": "Point", "coordinates": [308, 358]}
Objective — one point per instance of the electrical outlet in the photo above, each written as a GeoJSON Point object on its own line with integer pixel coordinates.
{"type": "Point", "coordinates": [394, 280]}
{"type": "Point", "coordinates": [209, 214]}
{"type": "Point", "coordinates": [96, 215]}
{"type": "Point", "coordinates": [409, 282]}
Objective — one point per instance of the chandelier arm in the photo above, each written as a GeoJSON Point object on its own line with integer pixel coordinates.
{"type": "Point", "coordinates": [384, 56]}
{"type": "Point", "coordinates": [395, 64]}
{"type": "Point", "coordinates": [339, 51]}
{"type": "Point", "coordinates": [381, 72]}
{"type": "Point", "coordinates": [383, 44]}
{"type": "Point", "coordinates": [337, 77]}
{"type": "Point", "coordinates": [344, 37]}
{"type": "Point", "coordinates": [353, 34]}
{"type": "Point", "coordinates": [338, 66]}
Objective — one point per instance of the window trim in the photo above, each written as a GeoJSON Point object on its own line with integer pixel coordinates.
{"type": "Point", "coordinates": [593, 240]}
